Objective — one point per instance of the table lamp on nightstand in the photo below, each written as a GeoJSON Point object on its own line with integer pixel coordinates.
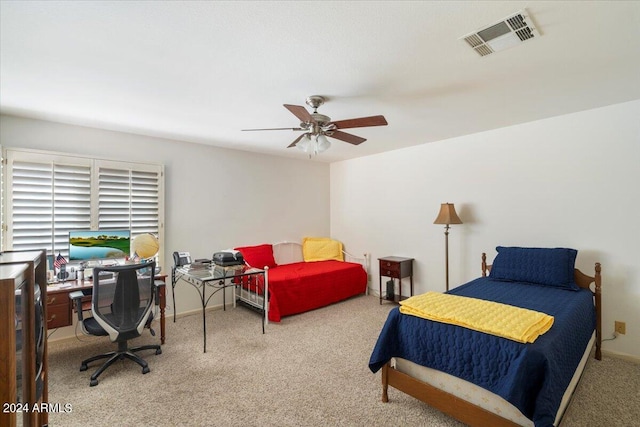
{"type": "Point", "coordinates": [447, 216]}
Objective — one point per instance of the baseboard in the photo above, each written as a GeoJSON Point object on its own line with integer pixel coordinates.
{"type": "Point", "coordinates": [623, 356]}
{"type": "Point", "coordinates": [156, 320]}
{"type": "Point", "coordinates": [197, 311]}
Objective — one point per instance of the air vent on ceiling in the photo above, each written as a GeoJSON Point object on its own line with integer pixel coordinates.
{"type": "Point", "coordinates": [509, 32]}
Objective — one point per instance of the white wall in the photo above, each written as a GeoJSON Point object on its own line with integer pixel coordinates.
{"type": "Point", "coordinates": [214, 198]}
{"type": "Point", "coordinates": [568, 181]}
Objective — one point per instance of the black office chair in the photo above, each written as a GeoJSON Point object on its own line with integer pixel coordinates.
{"type": "Point", "coordinates": [121, 305]}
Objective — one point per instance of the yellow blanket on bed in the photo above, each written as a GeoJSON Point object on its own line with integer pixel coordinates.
{"type": "Point", "coordinates": [507, 321]}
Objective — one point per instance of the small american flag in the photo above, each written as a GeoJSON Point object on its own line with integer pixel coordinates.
{"type": "Point", "coordinates": [59, 261]}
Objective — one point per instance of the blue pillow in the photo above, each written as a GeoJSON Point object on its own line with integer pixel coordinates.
{"type": "Point", "coordinates": [543, 266]}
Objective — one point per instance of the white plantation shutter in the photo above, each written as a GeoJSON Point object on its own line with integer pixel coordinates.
{"type": "Point", "coordinates": [47, 200]}
{"type": "Point", "coordinates": [129, 199]}
{"type": "Point", "coordinates": [71, 203]}
{"type": "Point", "coordinates": [50, 194]}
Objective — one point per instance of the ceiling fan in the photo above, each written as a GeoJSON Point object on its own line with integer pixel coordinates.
{"type": "Point", "coordinates": [317, 127]}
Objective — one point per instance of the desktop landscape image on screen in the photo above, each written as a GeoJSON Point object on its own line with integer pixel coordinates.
{"type": "Point", "coordinates": [101, 244]}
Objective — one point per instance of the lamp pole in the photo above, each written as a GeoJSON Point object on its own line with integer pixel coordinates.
{"type": "Point", "coordinates": [446, 253]}
{"type": "Point", "coordinates": [447, 216]}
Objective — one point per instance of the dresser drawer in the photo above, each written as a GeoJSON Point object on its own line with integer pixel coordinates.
{"type": "Point", "coordinates": [58, 299]}
{"type": "Point", "coordinates": [390, 269]}
{"type": "Point", "coordinates": [58, 310]}
{"type": "Point", "coordinates": [58, 316]}
{"type": "Point", "coordinates": [390, 273]}
{"type": "Point", "coordinates": [396, 267]}
{"type": "Point", "coordinates": [389, 266]}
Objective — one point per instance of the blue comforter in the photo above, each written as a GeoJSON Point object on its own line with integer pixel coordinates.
{"type": "Point", "coordinates": [532, 377]}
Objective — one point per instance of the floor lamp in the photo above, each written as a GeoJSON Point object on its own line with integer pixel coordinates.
{"type": "Point", "coordinates": [447, 216]}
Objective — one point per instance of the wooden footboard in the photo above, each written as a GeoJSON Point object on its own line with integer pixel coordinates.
{"type": "Point", "coordinates": [457, 408]}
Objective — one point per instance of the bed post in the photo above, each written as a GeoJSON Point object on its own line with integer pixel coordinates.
{"type": "Point", "coordinates": [598, 302]}
{"type": "Point", "coordinates": [385, 382]}
{"type": "Point", "coordinates": [585, 282]}
{"type": "Point", "coordinates": [484, 264]}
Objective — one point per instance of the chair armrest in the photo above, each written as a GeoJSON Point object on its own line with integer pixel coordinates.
{"type": "Point", "coordinates": [76, 295]}
{"type": "Point", "coordinates": [157, 285]}
{"type": "Point", "coordinates": [76, 299]}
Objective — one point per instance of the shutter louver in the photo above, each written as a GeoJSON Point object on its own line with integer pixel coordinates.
{"type": "Point", "coordinates": [48, 200]}
{"type": "Point", "coordinates": [50, 194]}
{"type": "Point", "coordinates": [128, 199]}
{"type": "Point", "coordinates": [71, 203]}
{"type": "Point", "coordinates": [144, 202]}
{"type": "Point", "coordinates": [114, 199]}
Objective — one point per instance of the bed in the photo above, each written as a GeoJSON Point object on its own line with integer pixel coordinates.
{"type": "Point", "coordinates": [486, 380]}
{"type": "Point", "coordinates": [303, 277]}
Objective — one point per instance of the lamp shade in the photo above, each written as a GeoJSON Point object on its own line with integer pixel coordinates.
{"type": "Point", "coordinates": [322, 143]}
{"type": "Point", "coordinates": [304, 143]}
{"type": "Point", "coordinates": [145, 245]}
{"type": "Point", "coordinates": [447, 215]}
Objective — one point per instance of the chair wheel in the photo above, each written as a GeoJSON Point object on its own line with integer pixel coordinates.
{"type": "Point", "coordinates": [159, 351]}
{"type": "Point", "coordinates": [83, 367]}
{"type": "Point", "coordinates": [93, 383]}
{"type": "Point", "coordinates": [145, 370]}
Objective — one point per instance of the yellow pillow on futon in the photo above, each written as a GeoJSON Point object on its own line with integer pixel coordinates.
{"type": "Point", "coordinates": [321, 249]}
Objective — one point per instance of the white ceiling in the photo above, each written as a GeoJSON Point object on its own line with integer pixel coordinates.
{"type": "Point", "coordinates": [202, 71]}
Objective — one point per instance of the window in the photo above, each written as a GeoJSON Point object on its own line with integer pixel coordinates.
{"type": "Point", "coordinates": [50, 194]}
{"type": "Point", "coordinates": [128, 198]}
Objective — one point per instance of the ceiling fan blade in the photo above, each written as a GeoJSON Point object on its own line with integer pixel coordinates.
{"type": "Point", "coordinates": [347, 137]}
{"type": "Point", "coordinates": [293, 144]}
{"type": "Point", "coordinates": [300, 112]}
{"type": "Point", "coordinates": [361, 122]}
{"type": "Point", "coordinates": [245, 130]}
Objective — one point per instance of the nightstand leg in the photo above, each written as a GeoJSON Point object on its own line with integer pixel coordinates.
{"type": "Point", "coordinates": [411, 282]}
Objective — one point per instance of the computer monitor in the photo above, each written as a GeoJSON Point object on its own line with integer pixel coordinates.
{"type": "Point", "coordinates": [99, 245]}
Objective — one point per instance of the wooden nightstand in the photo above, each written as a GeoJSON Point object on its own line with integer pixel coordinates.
{"type": "Point", "coordinates": [396, 268]}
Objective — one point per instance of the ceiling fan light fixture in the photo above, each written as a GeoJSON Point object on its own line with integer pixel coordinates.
{"type": "Point", "coordinates": [322, 143]}
{"type": "Point", "coordinates": [305, 143]}
{"type": "Point", "coordinates": [317, 127]}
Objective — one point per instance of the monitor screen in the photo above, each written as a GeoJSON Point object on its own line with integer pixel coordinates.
{"type": "Point", "coordinates": [100, 244]}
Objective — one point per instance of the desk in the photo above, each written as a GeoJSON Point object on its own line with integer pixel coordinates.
{"type": "Point", "coordinates": [60, 307]}
{"type": "Point", "coordinates": [218, 279]}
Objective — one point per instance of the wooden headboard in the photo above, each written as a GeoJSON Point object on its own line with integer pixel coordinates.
{"type": "Point", "coordinates": [584, 281]}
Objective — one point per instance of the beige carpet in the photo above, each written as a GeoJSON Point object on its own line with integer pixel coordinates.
{"type": "Point", "coordinates": [308, 370]}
